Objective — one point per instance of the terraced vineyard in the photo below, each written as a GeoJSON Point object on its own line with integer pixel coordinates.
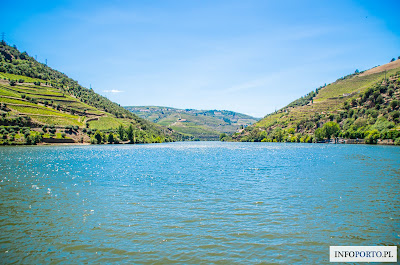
{"type": "Point", "coordinates": [34, 96]}
{"type": "Point", "coordinates": [47, 105]}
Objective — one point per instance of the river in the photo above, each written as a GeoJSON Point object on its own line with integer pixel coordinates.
{"type": "Point", "coordinates": [195, 202]}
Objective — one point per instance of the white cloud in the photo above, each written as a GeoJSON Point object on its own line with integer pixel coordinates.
{"type": "Point", "coordinates": [113, 91]}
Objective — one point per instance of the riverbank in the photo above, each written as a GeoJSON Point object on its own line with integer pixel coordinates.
{"type": "Point", "coordinates": [359, 141]}
{"type": "Point", "coordinates": [65, 143]}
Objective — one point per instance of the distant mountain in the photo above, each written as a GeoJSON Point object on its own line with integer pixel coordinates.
{"type": "Point", "coordinates": [51, 105]}
{"type": "Point", "coordinates": [363, 105]}
{"type": "Point", "coordinates": [197, 124]}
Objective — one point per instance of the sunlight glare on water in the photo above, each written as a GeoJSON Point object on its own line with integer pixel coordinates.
{"type": "Point", "coordinates": [195, 202]}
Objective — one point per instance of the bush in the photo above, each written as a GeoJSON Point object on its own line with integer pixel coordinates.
{"type": "Point", "coordinates": [395, 115]}
{"type": "Point", "coordinates": [382, 124]}
{"type": "Point", "coordinates": [12, 82]}
{"type": "Point", "coordinates": [28, 139]}
{"type": "Point", "coordinates": [222, 136]}
{"type": "Point", "coordinates": [372, 137]}
{"type": "Point", "coordinates": [379, 99]}
{"type": "Point", "coordinates": [331, 128]}
{"type": "Point", "coordinates": [394, 104]}
{"type": "Point", "coordinates": [397, 141]}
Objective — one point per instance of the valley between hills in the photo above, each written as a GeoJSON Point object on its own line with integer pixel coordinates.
{"type": "Point", "coordinates": [40, 105]}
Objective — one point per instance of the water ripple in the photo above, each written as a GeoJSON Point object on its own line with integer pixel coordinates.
{"type": "Point", "coordinates": [195, 203]}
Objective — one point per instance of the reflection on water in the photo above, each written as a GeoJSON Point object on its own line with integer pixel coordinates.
{"type": "Point", "coordinates": [193, 203]}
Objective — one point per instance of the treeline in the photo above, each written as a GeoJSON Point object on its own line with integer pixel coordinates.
{"type": "Point", "coordinates": [23, 135]}
{"type": "Point", "coordinates": [16, 135]}
{"type": "Point", "coordinates": [129, 134]}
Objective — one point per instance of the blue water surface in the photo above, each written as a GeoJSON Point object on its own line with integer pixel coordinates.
{"type": "Point", "coordinates": [195, 202]}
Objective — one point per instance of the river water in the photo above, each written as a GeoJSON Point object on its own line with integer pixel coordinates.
{"type": "Point", "coordinates": [195, 202]}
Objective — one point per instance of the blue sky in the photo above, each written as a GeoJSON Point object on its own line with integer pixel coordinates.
{"type": "Point", "coordinates": [247, 56]}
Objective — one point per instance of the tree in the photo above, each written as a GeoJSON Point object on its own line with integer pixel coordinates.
{"type": "Point", "coordinates": [129, 133]}
{"type": "Point", "coordinates": [319, 134]}
{"type": "Point", "coordinates": [111, 138]}
{"type": "Point", "coordinates": [121, 132]}
{"type": "Point", "coordinates": [331, 128]}
{"type": "Point", "coordinates": [222, 136]}
{"type": "Point", "coordinates": [372, 137]}
{"type": "Point", "coordinates": [278, 134]}
{"type": "Point", "coordinates": [98, 136]}
{"type": "Point", "coordinates": [393, 59]}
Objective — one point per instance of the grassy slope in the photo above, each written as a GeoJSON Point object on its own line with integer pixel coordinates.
{"type": "Point", "coordinates": [58, 100]}
{"type": "Point", "coordinates": [202, 124]}
{"type": "Point", "coordinates": [329, 100]}
{"type": "Point", "coordinates": [61, 109]}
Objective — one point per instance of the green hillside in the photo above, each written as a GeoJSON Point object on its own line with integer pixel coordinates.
{"type": "Point", "coordinates": [39, 103]}
{"type": "Point", "coordinates": [196, 124]}
{"type": "Point", "coordinates": [358, 106]}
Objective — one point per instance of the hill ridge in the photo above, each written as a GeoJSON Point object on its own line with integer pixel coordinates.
{"type": "Point", "coordinates": [196, 124]}
{"type": "Point", "coordinates": [33, 95]}
{"type": "Point", "coordinates": [368, 98]}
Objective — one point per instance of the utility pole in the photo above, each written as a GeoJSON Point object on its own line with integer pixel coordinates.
{"type": "Point", "coordinates": [3, 35]}
{"type": "Point", "coordinates": [46, 62]}
{"type": "Point", "coordinates": [36, 57]}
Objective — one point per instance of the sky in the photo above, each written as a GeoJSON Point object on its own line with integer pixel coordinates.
{"type": "Point", "coordinates": [250, 56]}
